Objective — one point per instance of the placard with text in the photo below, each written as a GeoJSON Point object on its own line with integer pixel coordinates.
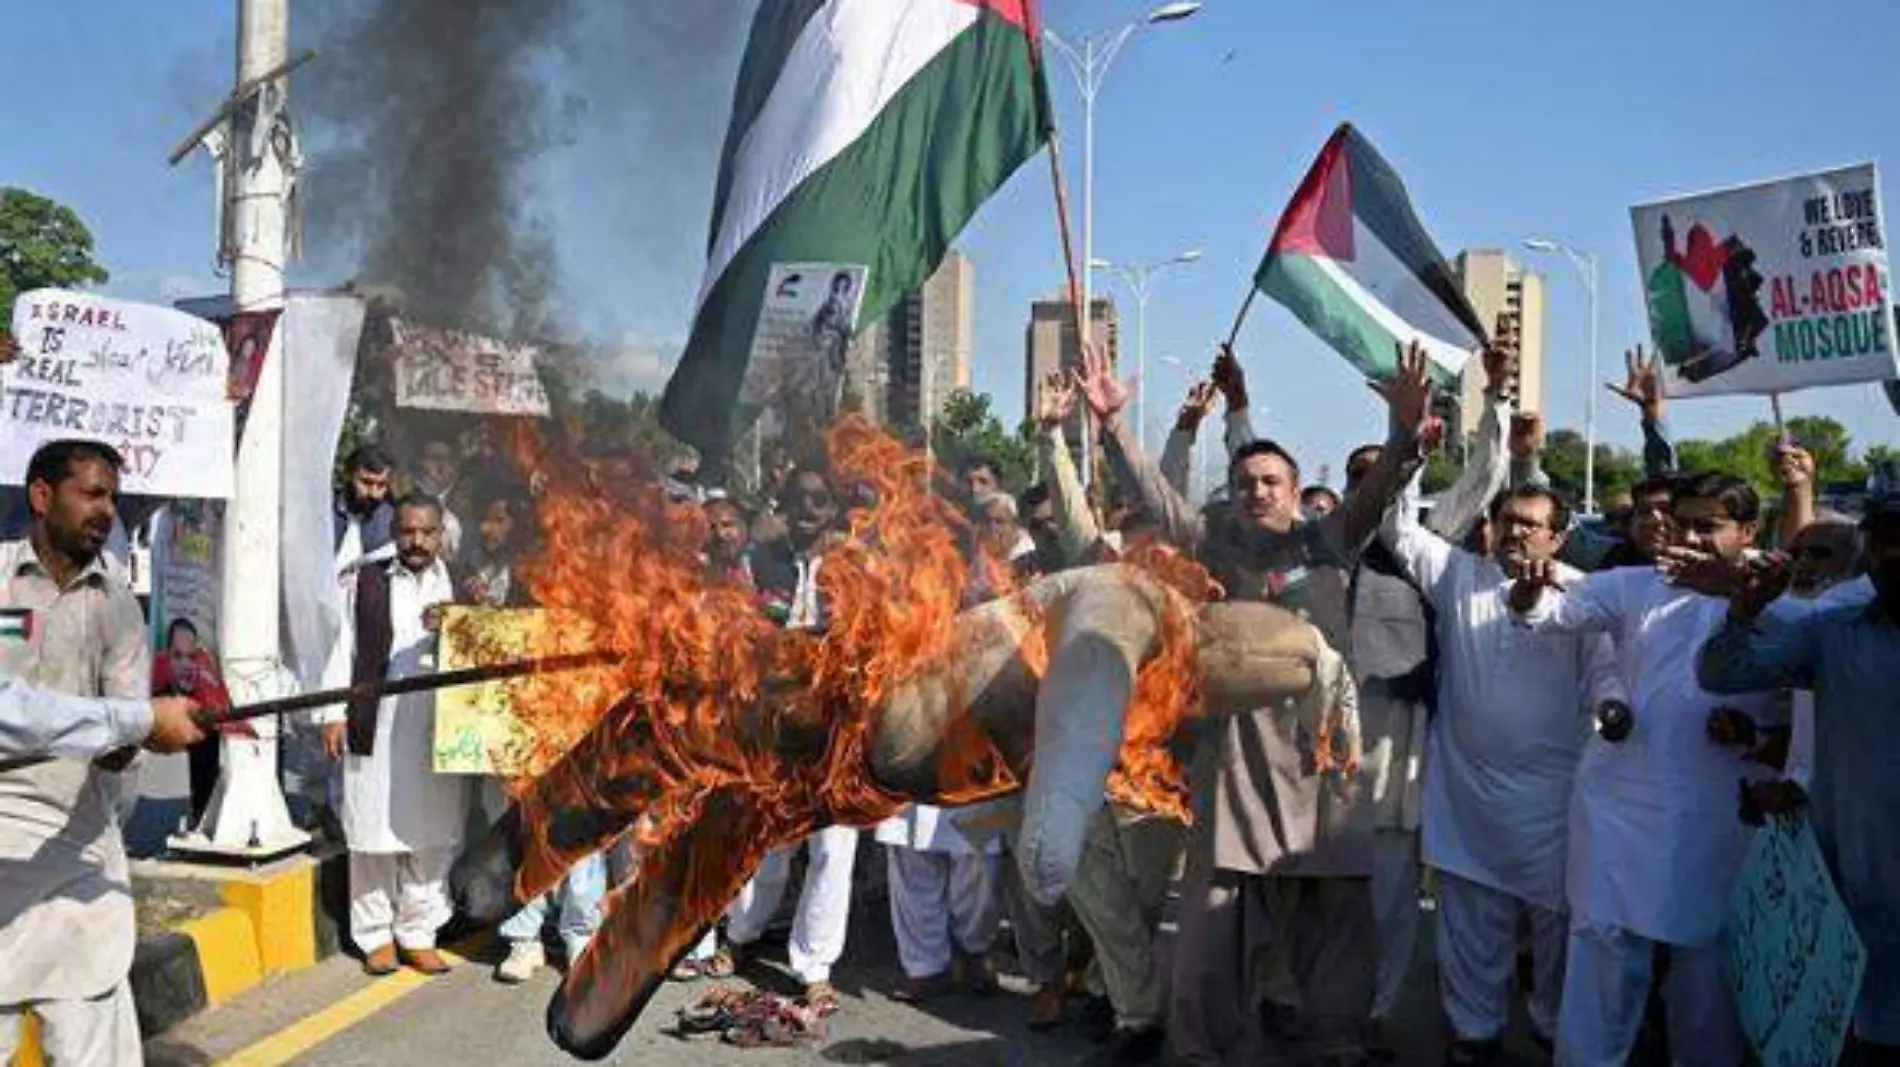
{"type": "Point", "coordinates": [1769, 288]}
{"type": "Point", "coordinates": [147, 380]}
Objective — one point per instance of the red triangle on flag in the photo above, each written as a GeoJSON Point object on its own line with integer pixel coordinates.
{"type": "Point", "coordinates": [1020, 13]}
{"type": "Point", "coordinates": [1318, 222]}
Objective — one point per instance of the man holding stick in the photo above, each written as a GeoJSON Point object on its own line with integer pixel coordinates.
{"type": "Point", "coordinates": [66, 921]}
{"type": "Point", "coordinates": [37, 722]}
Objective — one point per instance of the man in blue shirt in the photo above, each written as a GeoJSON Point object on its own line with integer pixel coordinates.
{"type": "Point", "coordinates": [1850, 657]}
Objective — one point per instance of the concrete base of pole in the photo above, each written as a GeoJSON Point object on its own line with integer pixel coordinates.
{"type": "Point", "coordinates": [247, 818]}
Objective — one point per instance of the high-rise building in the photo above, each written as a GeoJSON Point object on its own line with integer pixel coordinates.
{"type": "Point", "coordinates": [1497, 285]}
{"type": "Point", "coordinates": [904, 364]}
{"type": "Point", "coordinates": [1051, 345]}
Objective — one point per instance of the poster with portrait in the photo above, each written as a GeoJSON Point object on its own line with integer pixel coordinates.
{"type": "Point", "coordinates": [796, 368]}
{"type": "Point", "coordinates": [1769, 288]}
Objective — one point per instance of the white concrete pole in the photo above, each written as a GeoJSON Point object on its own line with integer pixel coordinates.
{"type": "Point", "coordinates": [248, 815]}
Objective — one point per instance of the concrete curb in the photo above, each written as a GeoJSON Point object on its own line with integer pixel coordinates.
{"type": "Point", "coordinates": [277, 919]}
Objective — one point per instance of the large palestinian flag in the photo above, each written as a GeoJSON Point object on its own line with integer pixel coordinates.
{"type": "Point", "coordinates": [1351, 261]}
{"type": "Point", "coordinates": [863, 133]}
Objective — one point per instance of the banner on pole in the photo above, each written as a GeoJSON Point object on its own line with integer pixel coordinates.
{"type": "Point", "coordinates": [147, 380]}
{"type": "Point", "coordinates": [247, 339]}
{"type": "Point", "coordinates": [447, 370]}
{"type": "Point", "coordinates": [1794, 959]}
{"type": "Point", "coordinates": [1769, 288]}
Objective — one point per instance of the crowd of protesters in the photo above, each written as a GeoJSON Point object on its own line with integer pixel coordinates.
{"type": "Point", "coordinates": [1567, 738]}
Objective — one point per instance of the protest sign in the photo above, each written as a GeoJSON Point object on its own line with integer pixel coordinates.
{"type": "Point", "coordinates": [476, 731]}
{"type": "Point", "coordinates": [185, 562]}
{"type": "Point", "coordinates": [447, 370]}
{"type": "Point", "coordinates": [1769, 288]}
{"type": "Point", "coordinates": [806, 322]}
{"type": "Point", "coordinates": [147, 380]}
{"type": "Point", "coordinates": [1794, 959]}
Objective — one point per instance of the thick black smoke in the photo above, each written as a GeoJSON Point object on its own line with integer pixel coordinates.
{"type": "Point", "coordinates": [428, 122]}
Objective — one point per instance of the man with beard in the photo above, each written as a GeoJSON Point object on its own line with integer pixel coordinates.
{"type": "Point", "coordinates": [66, 920]}
{"type": "Point", "coordinates": [1503, 748]}
{"type": "Point", "coordinates": [1849, 656]}
{"type": "Point", "coordinates": [1655, 844]}
{"type": "Point", "coordinates": [786, 573]}
{"type": "Point", "coordinates": [365, 519]}
{"type": "Point", "coordinates": [439, 477]}
{"type": "Point", "coordinates": [1279, 862]}
{"type": "Point", "coordinates": [401, 820]}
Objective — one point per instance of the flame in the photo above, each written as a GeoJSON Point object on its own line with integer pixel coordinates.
{"type": "Point", "coordinates": [716, 736]}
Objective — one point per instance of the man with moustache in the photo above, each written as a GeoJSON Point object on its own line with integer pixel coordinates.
{"type": "Point", "coordinates": [401, 820]}
{"type": "Point", "coordinates": [66, 919]}
{"type": "Point", "coordinates": [1503, 749]}
{"type": "Point", "coordinates": [1849, 657]}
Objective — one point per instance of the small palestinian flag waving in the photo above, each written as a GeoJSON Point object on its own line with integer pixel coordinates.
{"type": "Point", "coordinates": [864, 134]}
{"type": "Point", "coordinates": [1352, 262]}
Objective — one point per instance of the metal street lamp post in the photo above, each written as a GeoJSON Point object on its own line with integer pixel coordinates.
{"type": "Point", "coordinates": [1585, 264]}
{"type": "Point", "coordinates": [1140, 279]}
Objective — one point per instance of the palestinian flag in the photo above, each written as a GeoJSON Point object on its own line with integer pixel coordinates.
{"type": "Point", "coordinates": [1351, 261]}
{"type": "Point", "coordinates": [863, 132]}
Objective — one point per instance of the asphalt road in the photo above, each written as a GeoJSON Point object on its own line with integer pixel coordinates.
{"type": "Point", "coordinates": [467, 1018]}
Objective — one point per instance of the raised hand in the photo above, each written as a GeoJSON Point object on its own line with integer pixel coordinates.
{"type": "Point", "coordinates": [1409, 393]}
{"type": "Point", "coordinates": [1793, 465]}
{"type": "Point", "coordinates": [1500, 357]}
{"type": "Point", "coordinates": [1529, 579]}
{"type": "Point", "coordinates": [1105, 394]}
{"type": "Point", "coordinates": [1055, 401]}
{"type": "Point", "coordinates": [1200, 401]}
{"type": "Point", "coordinates": [1527, 434]}
{"type": "Point", "coordinates": [1642, 383]}
{"type": "Point", "coordinates": [1229, 379]}
{"type": "Point", "coordinates": [1433, 437]}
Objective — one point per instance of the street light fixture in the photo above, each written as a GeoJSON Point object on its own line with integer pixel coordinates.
{"type": "Point", "coordinates": [1140, 279]}
{"type": "Point", "coordinates": [1585, 264]}
{"type": "Point", "coordinates": [1089, 59]}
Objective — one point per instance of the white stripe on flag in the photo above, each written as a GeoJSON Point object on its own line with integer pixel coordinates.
{"type": "Point", "coordinates": [1376, 261]}
{"type": "Point", "coordinates": [850, 61]}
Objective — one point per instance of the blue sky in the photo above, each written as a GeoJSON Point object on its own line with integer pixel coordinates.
{"type": "Point", "coordinates": [1505, 119]}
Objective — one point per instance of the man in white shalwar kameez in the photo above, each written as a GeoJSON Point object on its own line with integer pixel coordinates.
{"type": "Point", "coordinates": [1502, 749]}
{"type": "Point", "coordinates": [945, 901]}
{"type": "Point", "coordinates": [401, 820]}
{"type": "Point", "coordinates": [1655, 835]}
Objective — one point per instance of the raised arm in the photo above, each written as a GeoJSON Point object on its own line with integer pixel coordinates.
{"type": "Point", "coordinates": [1549, 598]}
{"type": "Point", "coordinates": [1408, 398]}
{"type": "Point", "coordinates": [1076, 533]}
{"type": "Point", "coordinates": [1794, 469]}
{"type": "Point", "coordinates": [1231, 383]}
{"type": "Point", "coordinates": [1424, 554]}
{"type": "Point", "coordinates": [1106, 395]}
{"type": "Point", "coordinates": [1486, 469]}
{"type": "Point", "coordinates": [1177, 456]}
{"type": "Point", "coordinates": [1745, 656]}
{"type": "Point", "coordinates": [1643, 387]}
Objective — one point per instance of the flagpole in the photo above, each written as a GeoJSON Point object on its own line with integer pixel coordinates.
{"type": "Point", "coordinates": [1240, 317]}
{"type": "Point", "coordinates": [1062, 230]}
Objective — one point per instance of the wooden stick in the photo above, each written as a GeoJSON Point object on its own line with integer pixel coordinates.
{"type": "Point", "coordinates": [1781, 427]}
{"type": "Point", "coordinates": [1082, 314]}
{"type": "Point", "coordinates": [418, 683]}
{"type": "Point", "coordinates": [238, 96]}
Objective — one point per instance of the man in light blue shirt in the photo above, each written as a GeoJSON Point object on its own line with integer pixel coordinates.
{"type": "Point", "coordinates": [1849, 656]}
{"type": "Point", "coordinates": [37, 723]}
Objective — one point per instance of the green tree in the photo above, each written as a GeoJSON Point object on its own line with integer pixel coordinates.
{"type": "Point", "coordinates": [1441, 471]}
{"type": "Point", "coordinates": [1616, 469]}
{"type": "Point", "coordinates": [1748, 454]}
{"type": "Point", "coordinates": [968, 429]}
{"type": "Point", "coordinates": [43, 244]}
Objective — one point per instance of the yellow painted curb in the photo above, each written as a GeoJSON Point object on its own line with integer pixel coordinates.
{"type": "Point", "coordinates": [282, 912]}
{"type": "Point", "coordinates": [28, 1054]}
{"type": "Point", "coordinates": [227, 953]}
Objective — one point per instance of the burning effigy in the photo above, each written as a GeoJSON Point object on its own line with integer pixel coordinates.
{"type": "Point", "coordinates": [715, 736]}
